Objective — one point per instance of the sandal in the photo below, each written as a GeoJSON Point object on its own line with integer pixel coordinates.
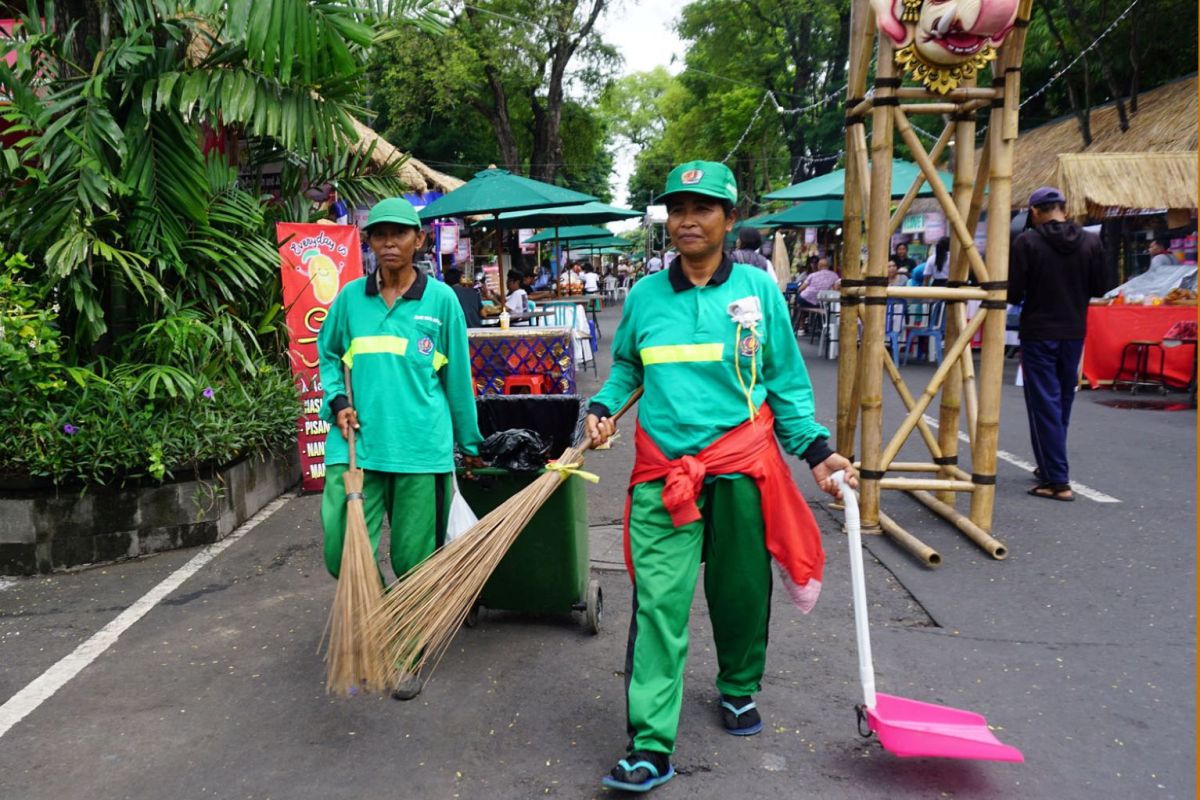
{"type": "Point", "coordinates": [740, 716]}
{"type": "Point", "coordinates": [1054, 491]}
{"type": "Point", "coordinates": [641, 772]}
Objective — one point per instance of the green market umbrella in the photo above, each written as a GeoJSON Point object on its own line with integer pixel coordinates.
{"type": "Point", "coordinates": [582, 214]}
{"type": "Point", "coordinates": [833, 185]}
{"type": "Point", "coordinates": [606, 241]}
{"type": "Point", "coordinates": [495, 191]}
{"type": "Point", "coordinates": [810, 213]}
{"type": "Point", "coordinates": [572, 233]}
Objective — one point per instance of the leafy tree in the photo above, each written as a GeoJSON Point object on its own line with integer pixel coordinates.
{"type": "Point", "coordinates": [1124, 63]}
{"type": "Point", "coordinates": [503, 66]}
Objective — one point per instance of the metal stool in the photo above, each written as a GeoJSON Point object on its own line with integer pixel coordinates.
{"type": "Point", "coordinates": [525, 384]}
{"type": "Point", "coordinates": [1141, 375]}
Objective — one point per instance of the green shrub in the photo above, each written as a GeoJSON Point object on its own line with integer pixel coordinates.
{"type": "Point", "coordinates": [111, 433]}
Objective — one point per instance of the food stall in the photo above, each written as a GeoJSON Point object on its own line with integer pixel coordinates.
{"type": "Point", "coordinates": [1111, 327]}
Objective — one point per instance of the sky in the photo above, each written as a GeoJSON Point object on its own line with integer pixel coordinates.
{"type": "Point", "coordinates": [644, 33]}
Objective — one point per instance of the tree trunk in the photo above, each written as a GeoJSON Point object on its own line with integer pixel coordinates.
{"type": "Point", "coordinates": [1084, 33]}
{"type": "Point", "coordinates": [1134, 69]}
{"type": "Point", "coordinates": [546, 159]}
{"type": "Point", "coordinates": [1082, 113]}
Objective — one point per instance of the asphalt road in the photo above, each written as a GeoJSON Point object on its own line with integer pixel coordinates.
{"type": "Point", "coordinates": [1079, 648]}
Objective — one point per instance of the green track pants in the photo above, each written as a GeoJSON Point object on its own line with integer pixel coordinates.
{"type": "Point", "coordinates": [737, 586]}
{"type": "Point", "coordinates": [416, 506]}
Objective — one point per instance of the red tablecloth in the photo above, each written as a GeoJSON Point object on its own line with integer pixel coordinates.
{"type": "Point", "coordinates": [1110, 328]}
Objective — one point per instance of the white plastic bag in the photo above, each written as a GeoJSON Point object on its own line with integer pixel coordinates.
{"type": "Point", "coordinates": [462, 518]}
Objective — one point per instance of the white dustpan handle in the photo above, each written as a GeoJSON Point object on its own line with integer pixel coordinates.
{"type": "Point", "coordinates": [866, 669]}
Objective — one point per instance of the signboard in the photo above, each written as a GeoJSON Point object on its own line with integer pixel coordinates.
{"type": "Point", "coordinates": [810, 235]}
{"type": "Point", "coordinates": [935, 226]}
{"type": "Point", "coordinates": [522, 235]}
{"type": "Point", "coordinates": [447, 237]}
{"type": "Point", "coordinates": [463, 254]}
{"type": "Point", "coordinates": [316, 261]}
{"type": "Point", "coordinates": [912, 223]}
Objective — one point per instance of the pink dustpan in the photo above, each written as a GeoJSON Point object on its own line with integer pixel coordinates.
{"type": "Point", "coordinates": [910, 728]}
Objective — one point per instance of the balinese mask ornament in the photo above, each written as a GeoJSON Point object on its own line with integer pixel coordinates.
{"type": "Point", "coordinates": [944, 42]}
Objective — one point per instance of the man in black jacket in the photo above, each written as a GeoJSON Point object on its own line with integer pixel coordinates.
{"type": "Point", "coordinates": [1055, 268]}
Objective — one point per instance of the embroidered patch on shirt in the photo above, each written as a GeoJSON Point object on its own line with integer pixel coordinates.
{"type": "Point", "coordinates": [425, 345]}
{"type": "Point", "coordinates": [748, 345]}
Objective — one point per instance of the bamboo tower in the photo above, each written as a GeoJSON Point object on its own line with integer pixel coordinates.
{"type": "Point", "coordinates": [967, 402]}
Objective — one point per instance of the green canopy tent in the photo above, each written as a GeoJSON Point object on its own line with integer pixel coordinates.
{"type": "Point", "coordinates": [557, 217]}
{"type": "Point", "coordinates": [496, 191]}
{"type": "Point", "coordinates": [832, 186]}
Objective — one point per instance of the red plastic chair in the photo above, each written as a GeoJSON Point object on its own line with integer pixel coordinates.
{"type": "Point", "coordinates": [525, 384]}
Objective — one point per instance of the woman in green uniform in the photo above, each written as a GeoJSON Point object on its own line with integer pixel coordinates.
{"type": "Point", "coordinates": [711, 343]}
{"type": "Point", "coordinates": [404, 339]}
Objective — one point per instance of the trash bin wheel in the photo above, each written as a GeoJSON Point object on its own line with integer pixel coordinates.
{"type": "Point", "coordinates": [472, 618]}
{"type": "Point", "coordinates": [595, 606]}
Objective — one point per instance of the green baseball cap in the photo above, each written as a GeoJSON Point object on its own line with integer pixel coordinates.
{"type": "Point", "coordinates": [393, 209]}
{"type": "Point", "coordinates": [701, 177]}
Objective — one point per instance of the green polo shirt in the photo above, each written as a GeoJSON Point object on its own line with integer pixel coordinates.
{"type": "Point", "coordinates": [411, 377]}
{"type": "Point", "coordinates": [679, 342]}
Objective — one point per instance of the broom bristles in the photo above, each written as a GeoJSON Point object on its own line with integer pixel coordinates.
{"type": "Point", "coordinates": [425, 607]}
{"type": "Point", "coordinates": [354, 658]}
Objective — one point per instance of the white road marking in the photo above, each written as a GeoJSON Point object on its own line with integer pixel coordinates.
{"type": "Point", "coordinates": [45, 685]}
{"type": "Point", "coordinates": [1078, 488]}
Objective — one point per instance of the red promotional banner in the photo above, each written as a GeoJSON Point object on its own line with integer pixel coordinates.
{"type": "Point", "coordinates": [317, 261]}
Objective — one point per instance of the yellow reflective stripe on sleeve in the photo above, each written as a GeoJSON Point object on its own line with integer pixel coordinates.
{"type": "Point", "coordinates": [362, 345]}
{"type": "Point", "coordinates": [439, 361]}
{"type": "Point", "coordinates": [681, 353]}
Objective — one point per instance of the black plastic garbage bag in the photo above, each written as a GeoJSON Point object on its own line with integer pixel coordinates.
{"type": "Point", "coordinates": [516, 449]}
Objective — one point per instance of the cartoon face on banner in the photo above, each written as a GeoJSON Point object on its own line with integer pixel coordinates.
{"type": "Point", "coordinates": [944, 42]}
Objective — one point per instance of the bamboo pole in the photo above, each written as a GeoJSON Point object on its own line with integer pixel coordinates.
{"type": "Point", "coordinates": [956, 312]}
{"type": "Point", "coordinates": [862, 27]}
{"type": "Point", "coordinates": [875, 301]}
{"type": "Point", "coordinates": [992, 546]}
{"type": "Point", "coordinates": [926, 554]}
{"type": "Point", "coordinates": [926, 292]}
{"type": "Point", "coordinates": [952, 217]}
{"type": "Point", "coordinates": [926, 484]}
{"type": "Point", "coordinates": [909, 403]}
{"type": "Point", "coordinates": [910, 466]}
{"type": "Point", "coordinates": [911, 194]}
{"type": "Point", "coordinates": [927, 396]}
{"type": "Point", "coordinates": [959, 95]}
{"type": "Point", "coordinates": [944, 108]}
{"type": "Point", "coordinates": [991, 369]}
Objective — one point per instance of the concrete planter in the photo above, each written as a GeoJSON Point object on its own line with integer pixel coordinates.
{"type": "Point", "coordinates": [48, 530]}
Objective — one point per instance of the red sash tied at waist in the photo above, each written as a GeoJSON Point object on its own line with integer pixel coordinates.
{"type": "Point", "coordinates": [791, 533]}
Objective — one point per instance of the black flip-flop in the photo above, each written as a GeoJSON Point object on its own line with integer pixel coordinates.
{"type": "Point", "coordinates": [1052, 492]}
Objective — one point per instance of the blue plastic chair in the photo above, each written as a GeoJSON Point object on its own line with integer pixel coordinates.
{"type": "Point", "coordinates": [893, 326]}
{"type": "Point", "coordinates": [932, 328]}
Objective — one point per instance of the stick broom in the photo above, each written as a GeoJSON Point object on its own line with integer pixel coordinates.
{"type": "Point", "coordinates": [352, 660]}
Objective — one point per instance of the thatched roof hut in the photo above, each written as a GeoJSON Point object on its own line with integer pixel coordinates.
{"type": "Point", "coordinates": [416, 176]}
{"type": "Point", "coordinates": [1116, 170]}
{"type": "Point", "coordinates": [1094, 183]}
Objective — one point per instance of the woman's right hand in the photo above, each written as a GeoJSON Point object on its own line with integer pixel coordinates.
{"type": "Point", "coordinates": [599, 429]}
{"type": "Point", "coordinates": [346, 418]}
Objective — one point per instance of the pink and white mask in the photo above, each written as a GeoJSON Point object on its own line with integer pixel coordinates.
{"type": "Point", "coordinates": [947, 32]}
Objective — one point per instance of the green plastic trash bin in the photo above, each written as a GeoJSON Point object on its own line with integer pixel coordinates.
{"type": "Point", "coordinates": [546, 570]}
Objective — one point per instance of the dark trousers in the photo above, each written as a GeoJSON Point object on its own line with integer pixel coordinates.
{"type": "Point", "coordinates": [1051, 370]}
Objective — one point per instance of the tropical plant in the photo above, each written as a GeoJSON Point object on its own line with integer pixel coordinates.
{"type": "Point", "coordinates": [133, 217]}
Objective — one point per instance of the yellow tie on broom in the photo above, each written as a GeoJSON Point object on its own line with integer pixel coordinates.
{"type": "Point", "coordinates": [426, 606]}
{"type": "Point", "coordinates": [353, 658]}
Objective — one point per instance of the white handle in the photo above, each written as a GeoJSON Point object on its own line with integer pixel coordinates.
{"type": "Point", "coordinates": [862, 628]}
